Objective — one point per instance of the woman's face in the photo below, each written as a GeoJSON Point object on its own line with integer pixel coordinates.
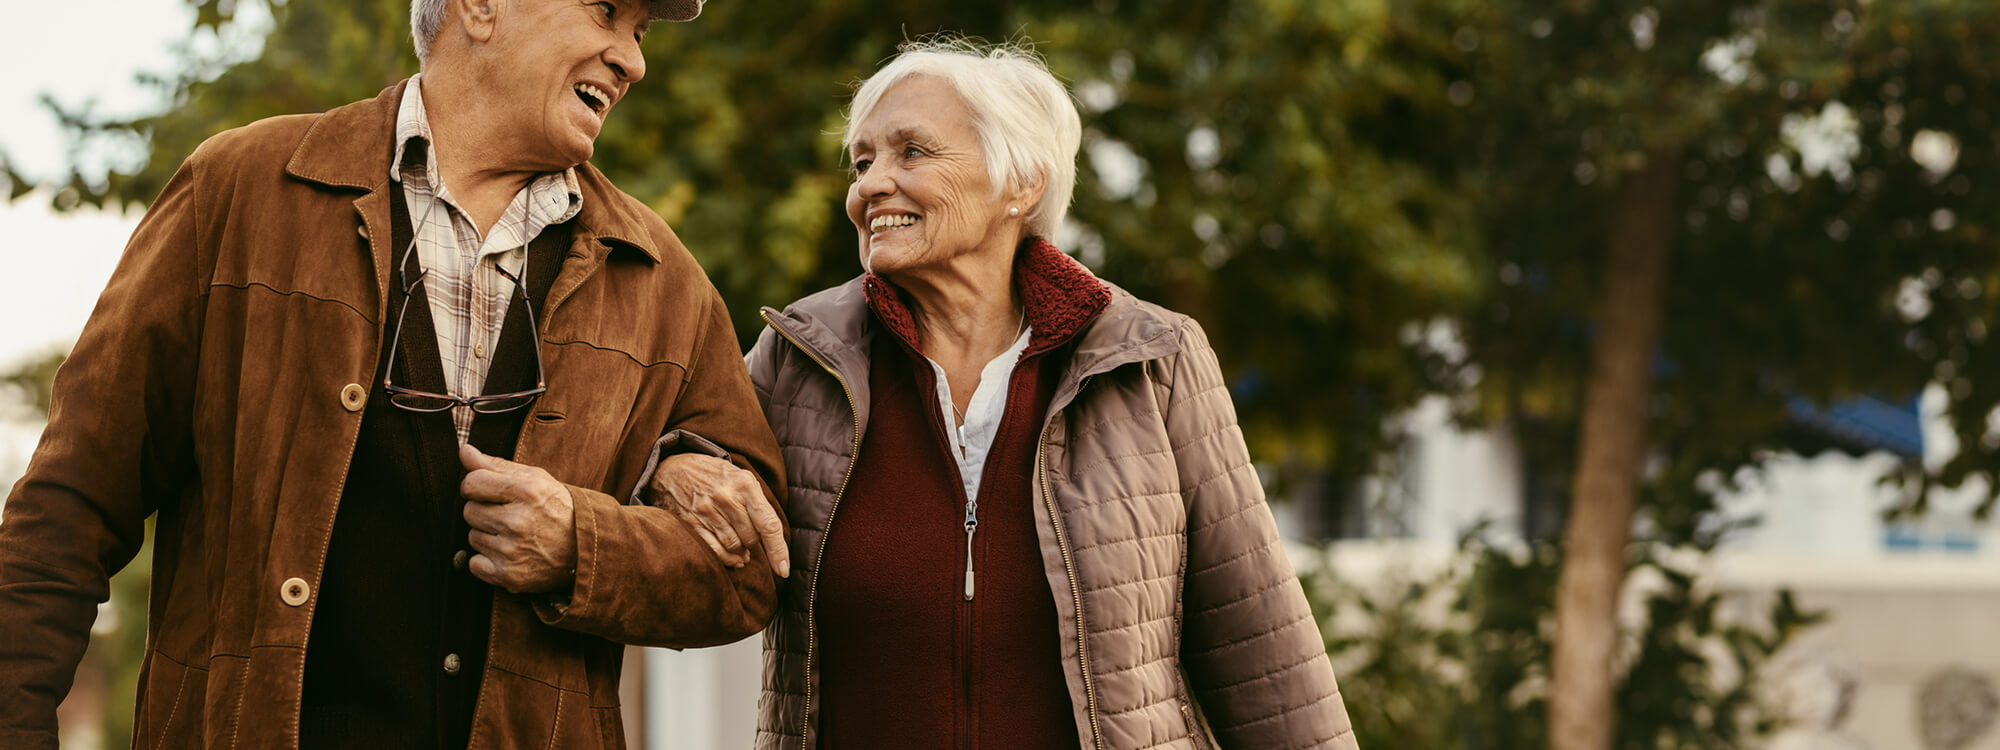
{"type": "Point", "coordinates": [921, 196]}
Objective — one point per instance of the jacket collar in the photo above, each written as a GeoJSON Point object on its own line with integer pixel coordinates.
{"type": "Point", "coordinates": [351, 147]}
{"type": "Point", "coordinates": [836, 324]}
{"type": "Point", "coordinates": [1059, 298]}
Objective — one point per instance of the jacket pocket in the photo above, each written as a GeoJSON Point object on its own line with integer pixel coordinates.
{"type": "Point", "coordinates": [170, 709]}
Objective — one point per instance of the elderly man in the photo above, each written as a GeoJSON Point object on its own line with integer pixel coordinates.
{"type": "Point", "coordinates": [386, 379]}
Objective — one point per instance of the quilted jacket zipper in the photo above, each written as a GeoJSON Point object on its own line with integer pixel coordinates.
{"type": "Point", "coordinates": [1075, 591]}
{"type": "Point", "coordinates": [812, 592]}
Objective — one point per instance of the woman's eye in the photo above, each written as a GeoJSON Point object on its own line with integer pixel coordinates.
{"type": "Point", "coordinates": [912, 152]}
{"type": "Point", "coordinates": [861, 166]}
{"type": "Point", "coordinates": [610, 10]}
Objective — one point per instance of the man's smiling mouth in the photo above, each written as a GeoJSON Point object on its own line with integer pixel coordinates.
{"type": "Point", "coordinates": [593, 97]}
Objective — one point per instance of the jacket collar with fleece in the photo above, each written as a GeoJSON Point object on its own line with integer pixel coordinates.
{"type": "Point", "coordinates": [835, 326]}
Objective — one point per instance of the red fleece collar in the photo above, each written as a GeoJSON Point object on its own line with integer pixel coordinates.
{"type": "Point", "coordinates": [1059, 296]}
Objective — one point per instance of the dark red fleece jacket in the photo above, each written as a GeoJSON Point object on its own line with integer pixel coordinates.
{"type": "Point", "coordinates": [908, 662]}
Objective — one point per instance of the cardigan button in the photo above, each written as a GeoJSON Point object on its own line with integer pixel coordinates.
{"type": "Point", "coordinates": [294, 591]}
{"type": "Point", "coordinates": [451, 664]}
{"type": "Point", "coordinates": [460, 559]}
{"type": "Point", "coordinates": [353, 396]}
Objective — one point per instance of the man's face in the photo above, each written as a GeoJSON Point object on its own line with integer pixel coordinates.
{"type": "Point", "coordinates": [556, 68]}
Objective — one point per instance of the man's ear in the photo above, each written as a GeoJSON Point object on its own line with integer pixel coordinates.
{"type": "Point", "coordinates": [477, 18]}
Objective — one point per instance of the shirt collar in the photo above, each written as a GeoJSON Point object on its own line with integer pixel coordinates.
{"type": "Point", "coordinates": [556, 197]}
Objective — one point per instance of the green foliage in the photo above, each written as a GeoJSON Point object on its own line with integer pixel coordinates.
{"type": "Point", "coordinates": [317, 56]}
{"type": "Point", "coordinates": [1280, 202]}
{"type": "Point", "coordinates": [35, 380]}
{"type": "Point", "coordinates": [1789, 275]}
{"type": "Point", "coordinates": [1460, 660]}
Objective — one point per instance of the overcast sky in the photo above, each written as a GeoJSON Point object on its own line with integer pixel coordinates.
{"type": "Point", "coordinates": [83, 52]}
{"type": "Point", "coordinates": [79, 52]}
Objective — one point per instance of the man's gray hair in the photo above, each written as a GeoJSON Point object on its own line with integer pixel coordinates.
{"type": "Point", "coordinates": [1027, 122]}
{"type": "Point", "coordinates": [426, 20]}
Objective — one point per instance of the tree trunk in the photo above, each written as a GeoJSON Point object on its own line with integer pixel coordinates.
{"type": "Point", "coordinates": [1609, 453]}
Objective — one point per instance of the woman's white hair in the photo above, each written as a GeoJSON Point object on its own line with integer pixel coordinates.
{"type": "Point", "coordinates": [426, 20]}
{"type": "Point", "coordinates": [1027, 122]}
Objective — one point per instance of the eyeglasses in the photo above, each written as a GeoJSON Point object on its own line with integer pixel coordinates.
{"type": "Point", "coordinates": [426, 402]}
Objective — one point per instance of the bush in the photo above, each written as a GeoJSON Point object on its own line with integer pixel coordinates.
{"type": "Point", "coordinates": [1459, 660]}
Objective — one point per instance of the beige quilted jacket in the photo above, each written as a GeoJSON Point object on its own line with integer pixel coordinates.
{"type": "Point", "coordinates": [1183, 624]}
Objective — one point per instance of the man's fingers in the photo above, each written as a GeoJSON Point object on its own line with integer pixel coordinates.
{"type": "Point", "coordinates": [473, 460]}
{"type": "Point", "coordinates": [484, 517]}
{"type": "Point", "coordinates": [771, 529]}
{"type": "Point", "coordinates": [497, 486]}
{"type": "Point", "coordinates": [486, 569]}
{"type": "Point", "coordinates": [483, 486]}
{"type": "Point", "coordinates": [485, 543]}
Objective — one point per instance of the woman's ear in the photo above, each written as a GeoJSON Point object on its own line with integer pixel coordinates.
{"type": "Point", "coordinates": [1027, 196]}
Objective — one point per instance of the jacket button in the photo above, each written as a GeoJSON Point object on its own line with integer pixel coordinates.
{"type": "Point", "coordinates": [362, 230]}
{"type": "Point", "coordinates": [353, 396]}
{"type": "Point", "coordinates": [451, 663]}
{"type": "Point", "coordinates": [295, 591]}
{"type": "Point", "coordinates": [460, 559]}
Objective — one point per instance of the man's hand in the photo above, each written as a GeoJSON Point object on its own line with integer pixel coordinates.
{"type": "Point", "coordinates": [523, 524]}
{"type": "Point", "coordinates": [723, 504]}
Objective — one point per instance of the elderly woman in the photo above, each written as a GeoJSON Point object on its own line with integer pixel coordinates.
{"type": "Point", "coordinates": [1023, 511]}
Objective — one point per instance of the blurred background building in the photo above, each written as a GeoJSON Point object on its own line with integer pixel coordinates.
{"type": "Point", "coordinates": [1909, 602]}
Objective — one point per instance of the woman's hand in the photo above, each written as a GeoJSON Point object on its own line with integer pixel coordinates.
{"type": "Point", "coordinates": [723, 504]}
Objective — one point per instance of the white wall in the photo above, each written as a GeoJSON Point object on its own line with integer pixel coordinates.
{"type": "Point", "coordinates": [1461, 478]}
{"type": "Point", "coordinates": [703, 699]}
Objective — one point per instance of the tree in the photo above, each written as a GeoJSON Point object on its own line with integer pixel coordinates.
{"type": "Point", "coordinates": [1699, 211]}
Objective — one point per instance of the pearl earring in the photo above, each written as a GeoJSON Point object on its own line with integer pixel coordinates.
{"type": "Point", "coordinates": [1013, 210]}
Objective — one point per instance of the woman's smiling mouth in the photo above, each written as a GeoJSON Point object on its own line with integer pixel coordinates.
{"type": "Point", "coordinates": [889, 222]}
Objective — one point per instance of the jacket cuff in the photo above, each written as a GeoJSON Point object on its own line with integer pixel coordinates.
{"type": "Point", "coordinates": [587, 507]}
{"type": "Point", "coordinates": [674, 442]}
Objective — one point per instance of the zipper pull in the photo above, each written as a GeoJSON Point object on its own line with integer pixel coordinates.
{"type": "Point", "coordinates": [971, 525]}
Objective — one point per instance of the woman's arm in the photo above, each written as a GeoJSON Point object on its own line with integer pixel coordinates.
{"type": "Point", "coordinates": [1251, 647]}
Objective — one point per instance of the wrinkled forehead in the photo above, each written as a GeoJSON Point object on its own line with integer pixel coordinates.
{"type": "Point", "coordinates": [917, 107]}
{"type": "Point", "coordinates": [906, 133]}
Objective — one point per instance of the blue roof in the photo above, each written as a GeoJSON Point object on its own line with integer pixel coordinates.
{"type": "Point", "coordinates": [1865, 424]}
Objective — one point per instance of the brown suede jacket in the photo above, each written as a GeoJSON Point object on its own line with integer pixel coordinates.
{"type": "Point", "coordinates": [219, 388]}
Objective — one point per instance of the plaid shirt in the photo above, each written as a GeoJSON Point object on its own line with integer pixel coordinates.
{"type": "Point", "coordinates": [469, 297]}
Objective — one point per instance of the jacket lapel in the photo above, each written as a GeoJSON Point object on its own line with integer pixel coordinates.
{"type": "Point", "coordinates": [608, 219]}
{"type": "Point", "coordinates": [350, 147]}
